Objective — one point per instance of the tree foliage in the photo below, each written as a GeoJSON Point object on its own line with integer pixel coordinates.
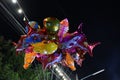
{"type": "Point", "coordinates": [11, 65]}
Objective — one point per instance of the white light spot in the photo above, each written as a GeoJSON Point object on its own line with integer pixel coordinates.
{"type": "Point", "coordinates": [20, 11]}
{"type": "Point", "coordinates": [24, 19]}
{"type": "Point", "coordinates": [14, 1]}
{"type": "Point", "coordinates": [57, 69]}
{"type": "Point", "coordinates": [60, 73]}
{"type": "Point", "coordinates": [54, 65]}
{"type": "Point", "coordinates": [64, 78]}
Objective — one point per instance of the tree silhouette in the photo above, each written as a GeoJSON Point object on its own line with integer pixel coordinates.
{"type": "Point", "coordinates": [11, 65]}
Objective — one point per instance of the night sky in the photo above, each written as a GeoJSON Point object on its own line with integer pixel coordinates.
{"type": "Point", "coordinates": [100, 24]}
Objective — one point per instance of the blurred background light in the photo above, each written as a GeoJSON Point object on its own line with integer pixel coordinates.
{"type": "Point", "coordinates": [14, 1]}
{"type": "Point", "coordinates": [20, 11]}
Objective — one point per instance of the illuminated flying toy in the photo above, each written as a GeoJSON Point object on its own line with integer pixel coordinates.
{"type": "Point", "coordinates": [53, 44]}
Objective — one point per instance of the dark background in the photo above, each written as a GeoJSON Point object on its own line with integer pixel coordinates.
{"type": "Point", "coordinates": [100, 23]}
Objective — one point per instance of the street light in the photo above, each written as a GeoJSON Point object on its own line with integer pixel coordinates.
{"type": "Point", "coordinates": [14, 1]}
{"type": "Point", "coordinates": [20, 11]}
